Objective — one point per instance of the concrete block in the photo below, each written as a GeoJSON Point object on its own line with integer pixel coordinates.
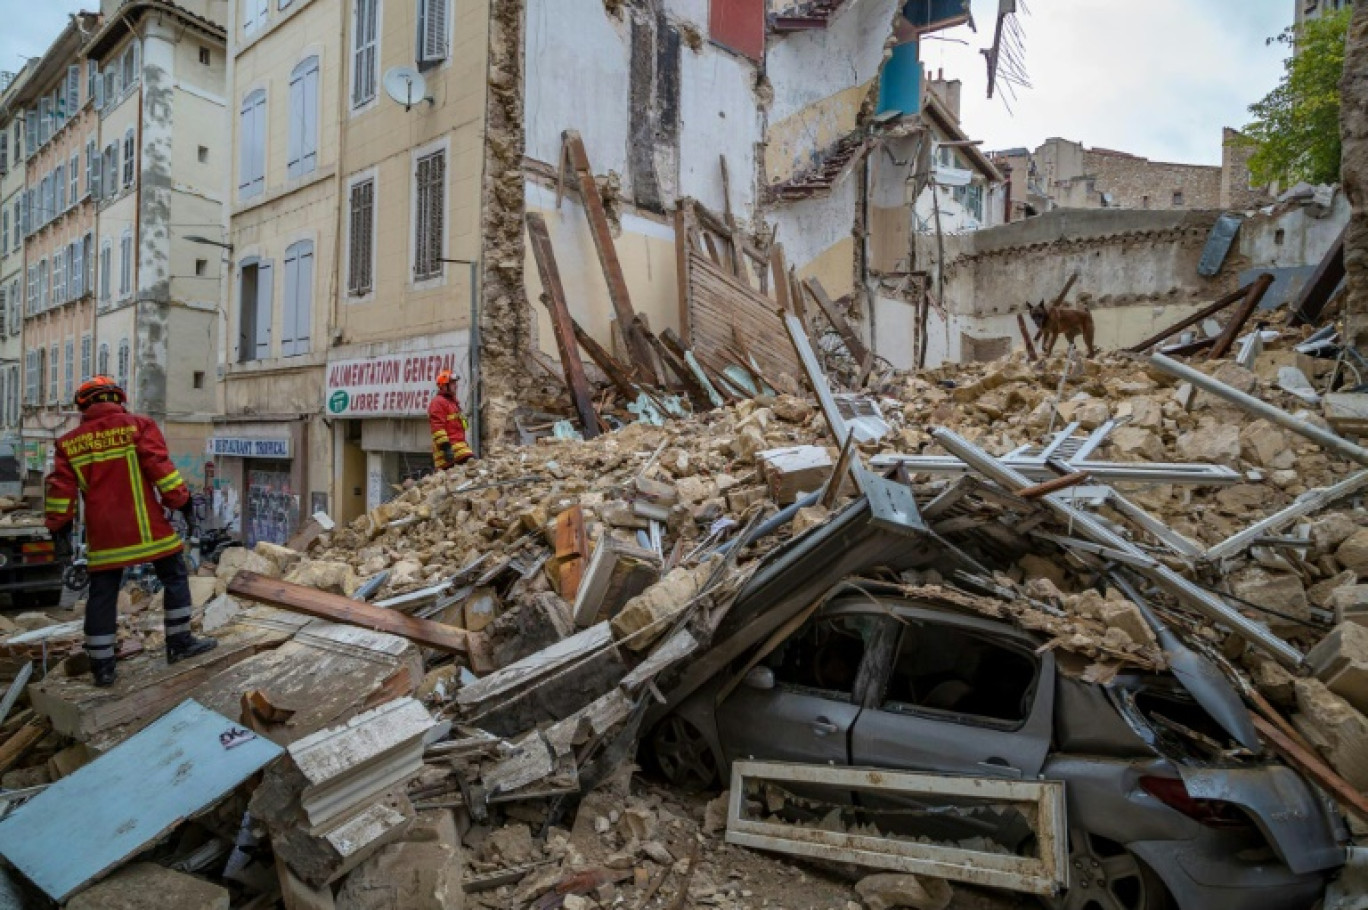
{"type": "Point", "coordinates": [1338, 732]}
{"type": "Point", "coordinates": [148, 886]}
{"type": "Point", "coordinates": [1341, 662]}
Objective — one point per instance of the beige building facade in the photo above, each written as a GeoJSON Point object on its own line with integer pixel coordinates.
{"type": "Point", "coordinates": [12, 278]}
{"type": "Point", "coordinates": [60, 134]}
{"type": "Point", "coordinates": [162, 164]}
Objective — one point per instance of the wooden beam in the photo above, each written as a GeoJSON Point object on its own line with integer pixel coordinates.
{"type": "Point", "coordinates": [18, 745]}
{"type": "Point", "coordinates": [1192, 320]}
{"type": "Point", "coordinates": [781, 285]}
{"type": "Point", "coordinates": [1226, 339]}
{"type": "Point", "coordinates": [676, 366]}
{"type": "Point", "coordinates": [683, 224]}
{"type": "Point", "coordinates": [562, 325]}
{"type": "Point", "coordinates": [617, 374]}
{"type": "Point", "coordinates": [838, 321]}
{"type": "Point", "coordinates": [572, 546]}
{"type": "Point", "coordinates": [607, 254]}
{"type": "Point", "coordinates": [1053, 486]}
{"type": "Point", "coordinates": [1068, 285]}
{"type": "Point", "coordinates": [1316, 293]}
{"type": "Point", "coordinates": [312, 602]}
{"type": "Point", "coordinates": [1026, 337]}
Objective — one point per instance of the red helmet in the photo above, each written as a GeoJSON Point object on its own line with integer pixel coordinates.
{"type": "Point", "coordinates": [97, 389]}
{"type": "Point", "coordinates": [446, 377]}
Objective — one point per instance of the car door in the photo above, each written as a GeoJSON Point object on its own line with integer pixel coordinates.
{"type": "Point", "coordinates": [799, 703]}
{"type": "Point", "coordinates": [963, 695]}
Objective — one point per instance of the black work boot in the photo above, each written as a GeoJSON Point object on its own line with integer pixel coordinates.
{"type": "Point", "coordinates": [102, 668]}
{"type": "Point", "coordinates": [184, 644]}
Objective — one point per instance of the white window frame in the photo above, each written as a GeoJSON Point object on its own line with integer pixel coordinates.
{"type": "Point", "coordinates": [301, 153]}
{"type": "Point", "coordinates": [69, 370]}
{"type": "Point", "coordinates": [126, 264]}
{"type": "Point", "coordinates": [106, 271]}
{"type": "Point", "coordinates": [129, 156]}
{"type": "Point", "coordinates": [87, 343]}
{"type": "Point", "coordinates": [254, 16]}
{"type": "Point", "coordinates": [124, 365]}
{"type": "Point", "coordinates": [74, 180]}
{"type": "Point", "coordinates": [438, 278]}
{"type": "Point", "coordinates": [359, 80]}
{"type": "Point", "coordinates": [373, 176]}
{"type": "Point", "coordinates": [59, 276]}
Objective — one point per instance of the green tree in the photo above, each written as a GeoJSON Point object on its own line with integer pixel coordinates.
{"type": "Point", "coordinates": [1296, 133]}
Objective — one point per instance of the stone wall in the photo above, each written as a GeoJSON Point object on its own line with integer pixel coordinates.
{"type": "Point", "coordinates": [1138, 183]}
{"type": "Point", "coordinates": [1237, 189]}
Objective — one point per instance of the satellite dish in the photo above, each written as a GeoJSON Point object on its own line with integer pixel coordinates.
{"type": "Point", "coordinates": [406, 86]}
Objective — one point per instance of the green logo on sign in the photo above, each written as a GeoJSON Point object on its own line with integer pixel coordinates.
{"type": "Point", "coordinates": [339, 401]}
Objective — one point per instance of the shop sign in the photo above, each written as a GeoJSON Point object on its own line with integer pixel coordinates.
{"type": "Point", "coordinates": [243, 447]}
{"type": "Point", "coordinates": [390, 385]}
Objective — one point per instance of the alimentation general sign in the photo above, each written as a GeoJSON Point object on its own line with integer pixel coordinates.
{"type": "Point", "coordinates": [390, 385]}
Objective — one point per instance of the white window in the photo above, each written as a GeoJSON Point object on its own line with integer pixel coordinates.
{"type": "Point", "coordinates": [361, 238]}
{"type": "Point", "coordinates": [302, 152]}
{"type": "Point", "coordinates": [102, 361]}
{"type": "Point", "coordinates": [131, 62]}
{"type": "Point", "coordinates": [126, 264]}
{"type": "Point", "coordinates": [365, 50]}
{"type": "Point", "coordinates": [92, 170]}
{"type": "Point", "coordinates": [294, 329]}
{"type": "Point", "coordinates": [109, 178]}
{"type": "Point", "coordinates": [4, 309]}
{"type": "Point", "coordinates": [100, 82]}
{"type": "Point", "coordinates": [254, 310]}
{"type": "Point", "coordinates": [44, 206]}
{"type": "Point", "coordinates": [16, 317]}
{"type": "Point", "coordinates": [30, 377]}
{"type": "Point", "coordinates": [106, 287]}
{"type": "Point", "coordinates": [59, 190]}
{"type": "Point", "coordinates": [69, 374]}
{"type": "Point", "coordinates": [433, 30]}
{"type": "Point", "coordinates": [252, 145]}
{"type": "Point", "coordinates": [54, 358]}
{"type": "Point", "coordinates": [129, 157]}
{"type": "Point", "coordinates": [254, 15]}
{"type": "Point", "coordinates": [59, 277]}
{"type": "Point", "coordinates": [44, 300]}
{"type": "Point", "coordinates": [4, 153]}
{"type": "Point", "coordinates": [44, 120]}
{"type": "Point", "coordinates": [75, 271]}
{"type": "Point", "coordinates": [74, 179]}
{"type": "Point", "coordinates": [32, 289]}
{"type": "Point", "coordinates": [121, 376]}
{"type": "Point", "coordinates": [93, 80]}
{"type": "Point", "coordinates": [4, 230]}
{"type": "Point", "coordinates": [18, 215]}
{"type": "Point", "coordinates": [86, 342]}
{"type": "Point", "coordinates": [30, 132]}
{"type": "Point", "coordinates": [429, 215]}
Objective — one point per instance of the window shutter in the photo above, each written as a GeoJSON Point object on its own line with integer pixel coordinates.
{"type": "Point", "coordinates": [58, 277]}
{"type": "Point", "coordinates": [85, 357]}
{"type": "Point", "coordinates": [4, 154]}
{"type": "Point", "coordinates": [432, 25]}
{"type": "Point", "coordinates": [94, 171]}
{"type": "Point", "coordinates": [361, 239]}
{"type": "Point", "coordinates": [59, 191]}
{"type": "Point", "coordinates": [73, 88]}
{"type": "Point", "coordinates": [265, 287]}
{"type": "Point", "coordinates": [363, 58]}
{"type": "Point", "coordinates": [97, 86]}
{"type": "Point", "coordinates": [304, 301]}
{"type": "Point", "coordinates": [130, 157]}
{"type": "Point", "coordinates": [295, 142]}
{"type": "Point", "coordinates": [74, 179]}
{"type": "Point", "coordinates": [31, 131]}
{"type": "Point", "coordinates": [287, 320]}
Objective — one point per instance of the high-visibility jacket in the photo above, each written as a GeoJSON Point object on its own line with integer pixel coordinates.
{"type": "Point", "coordinates": [448, 428]}
{"type": "Point", "coordinates": [118, 462]}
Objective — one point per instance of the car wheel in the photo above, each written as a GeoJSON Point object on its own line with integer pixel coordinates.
{"type": "Point", "coordinates": [1103, 875]}
{"type": "Point", "coordinates": [683, 755]}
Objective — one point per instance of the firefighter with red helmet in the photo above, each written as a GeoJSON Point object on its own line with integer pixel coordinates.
{"type": "Point", "coordinates": [119, 464]}
{"type": "Point", "coordinates": [448, 425]}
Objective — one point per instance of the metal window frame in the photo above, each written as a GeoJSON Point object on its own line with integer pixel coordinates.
{"type": "Point", "coordinates": [1047, 874]}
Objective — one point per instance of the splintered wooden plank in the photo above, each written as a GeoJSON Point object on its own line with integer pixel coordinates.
{"type": "Point", "coordinates": [572, 546]}
{"type": "Point", "coordinates": [1316, 293]}
{"type": "Point", "coordinates": [111, 809]}
{"type": "Point", "coordinates": [562, 325]}
{"type": "Point", "coordinates": [838, 321]}
{"type": "Point", "coordinates": [607, 254]}
{"type": "Point", "coordinates": [335, 607]}
{"type": "Point", "coordinates": [617, 374]}
{"type": "Point", "coordinates": [1226, 339]}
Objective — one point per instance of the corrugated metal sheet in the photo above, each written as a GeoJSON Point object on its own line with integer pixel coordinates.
{"type": "Point", "coordinates": [1218, 243]}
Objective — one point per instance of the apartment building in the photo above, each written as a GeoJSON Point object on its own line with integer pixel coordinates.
{"type": "Point", "coordinates": [344, 205]}
{"type": "Point", "coordinates": [270, 445]}
{"type": "Point", "coordinates": [57, 218]}
{"type": "Point", "coordinates": [12, 185]}
{"type": "Point", "coordinates": [158, 74]}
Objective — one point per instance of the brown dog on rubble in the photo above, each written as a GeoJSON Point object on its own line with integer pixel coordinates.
{"type": "Point", "coordinates": [1053, 321]}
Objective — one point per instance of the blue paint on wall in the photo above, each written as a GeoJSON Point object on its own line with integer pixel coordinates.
{"type": "Point", "coordinates": [928, 14]}
{"type": "Point", "coordinates": [900, 81]}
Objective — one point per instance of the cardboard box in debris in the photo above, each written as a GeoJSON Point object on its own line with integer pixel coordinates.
{"type": "Point", "coordinates": [490, 645]}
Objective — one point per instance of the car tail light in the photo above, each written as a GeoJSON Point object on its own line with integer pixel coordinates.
{"type": "Point", "coordinates": [1213, 813]}
{"type": "Point", "coordinates": [38, 552]}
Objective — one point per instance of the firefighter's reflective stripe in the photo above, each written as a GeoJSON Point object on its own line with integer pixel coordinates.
{"type": "Point", "coordinates": [101, 647]}
{"type": "Point", "coordinates": [169, 482]}
{"type": "Point", "coordinates": [144, 552]}
{"type": "Point", "coordinates": [55, 506]}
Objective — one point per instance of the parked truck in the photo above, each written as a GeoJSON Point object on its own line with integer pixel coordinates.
{"type": "Point", "coordinates": [29, 571]}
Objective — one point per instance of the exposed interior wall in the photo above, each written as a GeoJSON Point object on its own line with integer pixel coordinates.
{"type": "Point", "coordinates": [646, 249]}
{"type": "Point", "coordinates": [719, 116]}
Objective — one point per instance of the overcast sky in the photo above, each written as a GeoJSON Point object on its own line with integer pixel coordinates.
{"type": "Point", "coordinates": [1156, 78]}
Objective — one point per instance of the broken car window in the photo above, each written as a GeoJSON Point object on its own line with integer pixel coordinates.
{"type": "Point", "coordinates": [947, 669]}
{"type": "Point", "coordinates": [824, 656]}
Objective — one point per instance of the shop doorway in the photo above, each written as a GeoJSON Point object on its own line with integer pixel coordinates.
{"type": "Point", "coordinates": [271, 511]}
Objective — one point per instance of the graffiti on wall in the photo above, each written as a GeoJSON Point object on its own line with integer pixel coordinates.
{"type": "Point", "coordinates": [271, 506]}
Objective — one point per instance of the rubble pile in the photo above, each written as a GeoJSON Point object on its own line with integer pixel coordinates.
{"type": "Point", "coordinates": [448, 694]}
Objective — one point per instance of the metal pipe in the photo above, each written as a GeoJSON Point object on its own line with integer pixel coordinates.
{"type": "Point", "coordinates": [1089, 527]}
{"type": "Point", "coordinates": [1324, 438]}
{"type": "Point", "coordinates": [775, 521]}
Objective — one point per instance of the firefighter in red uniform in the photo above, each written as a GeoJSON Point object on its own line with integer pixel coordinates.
{"type": "Point", "coordinates": [448, 425]}
{"type": "Point", "coordinates": [118, 462]}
